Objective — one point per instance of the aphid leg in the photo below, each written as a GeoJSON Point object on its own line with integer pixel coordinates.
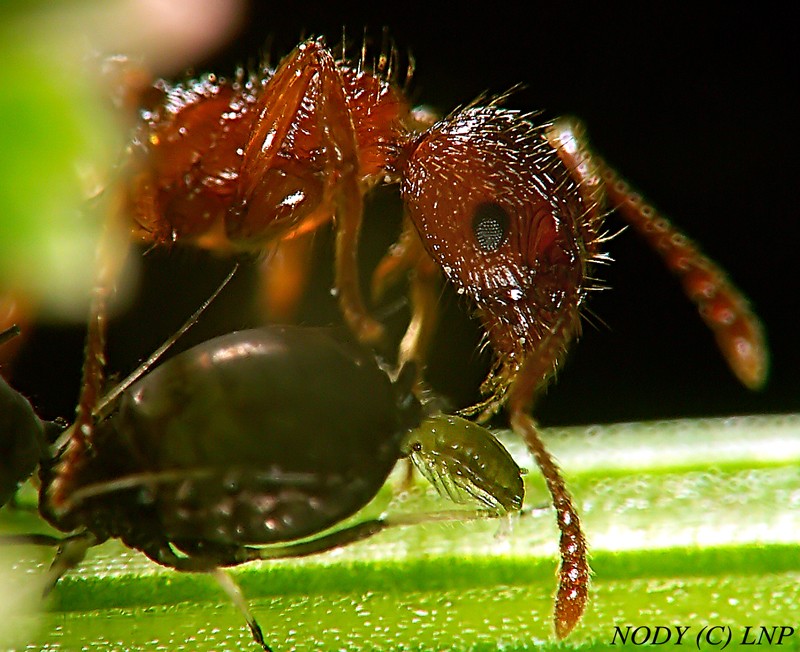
{"type": "Point", "coordinates": [722, 306]}
{"type": "Point", "coordinates": [233, 591]}
{"type": "Point", "coordinates": [361, 531]}
{"type": "Point", "coordinates": [30, 540]}
{"type": "Point", "coordinates": [284, 277]}
{"type": "Point", "coordinates": [9, 333]}
{"type": "Point", "coordinates": [352, 534]}
{"type": "Point", "coordinates": [466, 463]}
{"type": "Point", "coordinates": [164, 555]}
{"type": "Point", "coordinates": [71, 552]}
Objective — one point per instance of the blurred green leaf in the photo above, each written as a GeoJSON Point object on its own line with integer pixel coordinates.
{"type": "Point", "coordinates": [56, 141]}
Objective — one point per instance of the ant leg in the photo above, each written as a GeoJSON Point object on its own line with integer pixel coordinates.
{"type": "Point", "coordinates": [348, 198]}
{"type": "Point", "coordinates": [401, 258]}
{"type": "Point", "coordinates": [284, 275]}
{"type": "Point", "coordinates": [721, 305]}
{"type": "Point", "coordinates": [348, 227]}
{"type": "Point", "coordinates": [408, 256]}
{"type": "Point", "coordinates": [425, 301]}
{"type": "Point", "coordinates": [309, 77]}
{"type": "Point", "coordinates": [111, 255]}
{"type": "Point", "coordinates": [424, 291]}
{"type": "Point", "coordinates": [574, 572]}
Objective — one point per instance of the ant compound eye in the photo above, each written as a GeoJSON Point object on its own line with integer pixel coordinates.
{"type": "Point", "coordinates": [490, 226]}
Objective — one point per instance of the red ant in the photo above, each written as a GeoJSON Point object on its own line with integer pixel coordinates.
{"type": "Point", "coordinates": [510, 210]}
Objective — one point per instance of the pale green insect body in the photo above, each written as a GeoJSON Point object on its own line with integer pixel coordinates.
{"type": "Point", "coordinates": [466, 463]}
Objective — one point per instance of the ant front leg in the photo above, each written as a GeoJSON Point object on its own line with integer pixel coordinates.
{"type": "Point", "coordinates": [111, 255]}
{"type": "Point", "coordinates": [722, 306]}
{"type": "Point", "coordinates": [348, 204]}
{"type": "Point", "coordinates": [574, 572]}
{"type": "Point", "coordinates": [300, 169]}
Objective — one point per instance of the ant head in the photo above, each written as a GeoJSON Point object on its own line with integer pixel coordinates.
{"type": "Point", "coordinates": [497, 209]}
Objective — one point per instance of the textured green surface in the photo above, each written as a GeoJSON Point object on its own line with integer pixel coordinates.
{"type": "Point", "coordinates": [691, 523]}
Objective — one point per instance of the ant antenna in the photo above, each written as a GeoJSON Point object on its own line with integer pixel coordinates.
{"type": "Point", "coordinates": [103, 408]}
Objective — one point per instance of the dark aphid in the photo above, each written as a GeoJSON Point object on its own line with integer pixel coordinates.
{"type": "Point", "coordinates": [22, 441]}
{"type": "Point", "coordinates": [241, 446]}
{"type": "Point", "coordinates": [254, 437]}
{"type": "Point", "coordinates": [22, 436]}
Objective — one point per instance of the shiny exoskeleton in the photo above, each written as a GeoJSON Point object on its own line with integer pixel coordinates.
{"type": "Point", "coordinates": [510, 211]}
{"type": "Point", "coordinates": [22, 436]}
{"type": "Point", "coordinates": [256, 437]}
{"type": "Point", "coordinates": [22, 440]}
{"type": "Point", "coordinates": [239, 447]}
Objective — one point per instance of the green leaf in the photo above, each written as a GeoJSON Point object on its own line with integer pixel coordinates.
{"type": "Point", "coordinates": [56, 136]}
{"type": "Point", "coordinates": [691, 523]}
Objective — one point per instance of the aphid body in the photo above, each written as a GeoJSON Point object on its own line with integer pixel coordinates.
{"type": "Point", "coordinates": [256, 445]}
{"type": "Point", "coordinates": [22, 435]}
{"type": "Point", "coordinates": [256, 437]}
{"type": "Point", "coordinates": [465, 463]}
{"type": "Point", "coordinates": [22, 440]}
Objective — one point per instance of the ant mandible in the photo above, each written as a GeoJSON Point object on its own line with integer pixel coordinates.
{"type": "Point", "coordinates": [510, 210]}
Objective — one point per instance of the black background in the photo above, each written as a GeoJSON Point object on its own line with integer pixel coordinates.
{"type": "Point", "coordinates": [696, 107]}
